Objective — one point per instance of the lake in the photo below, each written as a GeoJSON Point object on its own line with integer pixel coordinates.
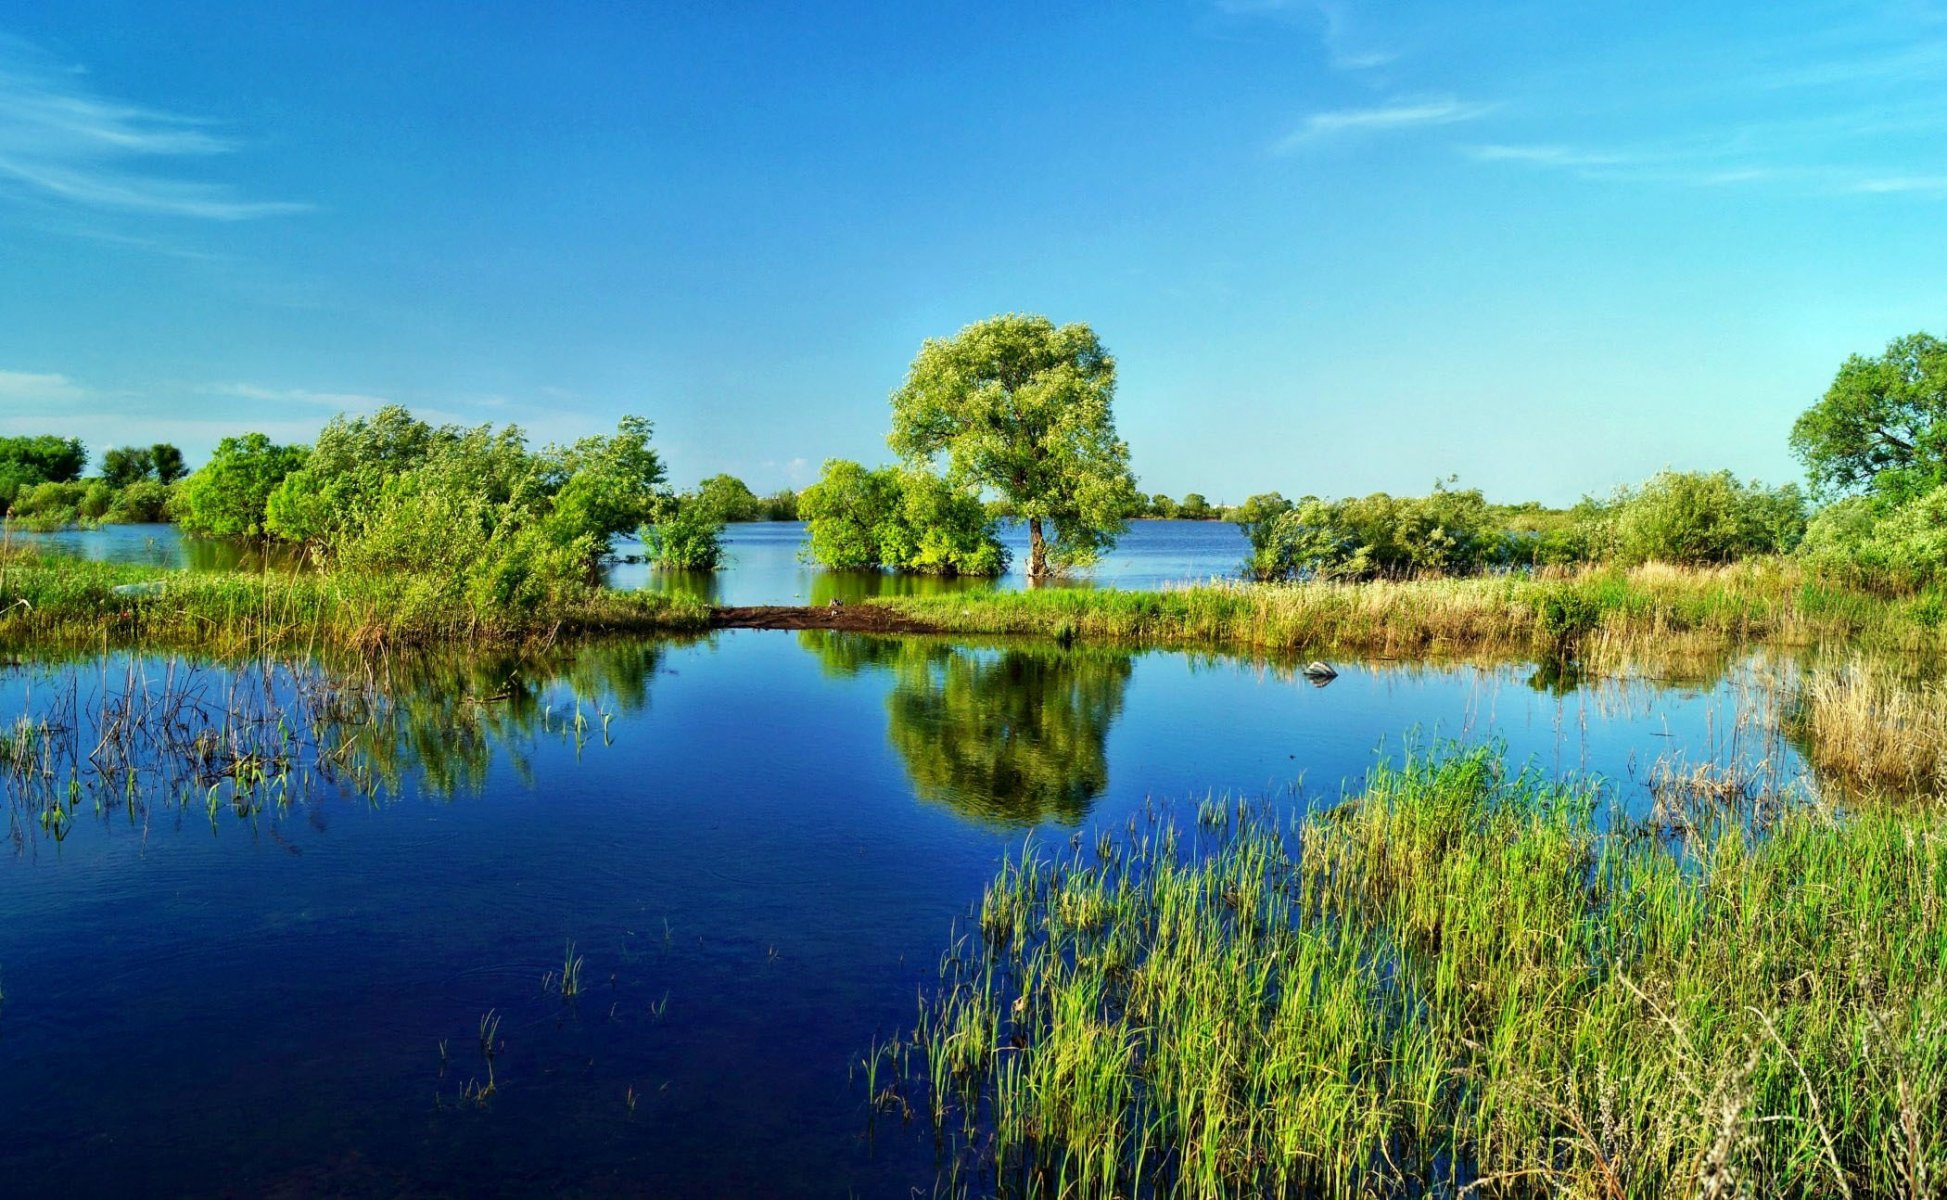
{"type": "Point", "coordinates": [762, 561]}
{"type": "Point", "coordinates": [757, 842]}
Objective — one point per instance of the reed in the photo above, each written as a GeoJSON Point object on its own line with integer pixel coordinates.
{"type": "Point", "coordinates": [1462, 981]}
{"type": "Point", "coordinates": [1874, 729]}
{"type": "Point", "coordinates": [1605, 616]}
{"type": "Point", "coordinates": [56, 602]}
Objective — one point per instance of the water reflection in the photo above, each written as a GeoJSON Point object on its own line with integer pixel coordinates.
{"type": "Point", "coordinates": [125, 733]}
{"type": "Point", "coordinates": [1012, 736]}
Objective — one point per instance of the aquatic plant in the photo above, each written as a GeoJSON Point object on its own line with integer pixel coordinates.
{"type": "Point", "coordinates": [55, 602]}
{"type": "Point", "coordinates": [1461, 981]}
{"type": "Point", "coordinates": [1605, 616]}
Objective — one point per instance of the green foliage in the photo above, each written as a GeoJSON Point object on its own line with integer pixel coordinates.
{"type": "Point", "coordinates": [1900, 548]}
{"type": "Point", "coordinates": [145, 502]}
{"type": "Point", "coordinates": [168, 463]}
{"type": "Point", "coordinates": [1693, 518]}
{"type": "Point", "coordinates": [124, 465]}
{"type": "Point", "coordinates": [729, 498]}
{"type": "Point", "coordinates": [1566, 614]}
{"type": "Point", "coordinates": [1879, 427]}
{"type": "Point", "coordinates": [781, 505]}
{"type": "Point", "coordinates": [227, 497]}
{"type": "Point", "coordinates": [908, 520]}
{"type": "Point", "coordinates": [473, 510]}
{"type": "Point", "coordinates": [1448, 532]}
{"type": "Point", "coordinates": [604, 486]}
{"type": "Point", "coordinates": [1024, 408]}
{"type": "Point", "coordinates": [43, 459]}
{"type": "Point", "coordinates": [688, 534]}
{"type": "Point", "coordinates": [1162, 506]}
{"type": "Point", "coordinates": [1196, 508]}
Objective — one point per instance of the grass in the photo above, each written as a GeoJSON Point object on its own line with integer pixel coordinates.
{"type": "Point", "coordinates": [57, 602]}
{"type": "Point", "coordinates": [1873, 730]}
{"type": "Point", "coordinates": [1606, 616]}
{"type": "Point", "coordinates": [1461, 982]}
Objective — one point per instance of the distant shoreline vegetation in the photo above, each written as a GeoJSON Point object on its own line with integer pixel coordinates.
{"type": "Point", "coordinates": [1012, 418]}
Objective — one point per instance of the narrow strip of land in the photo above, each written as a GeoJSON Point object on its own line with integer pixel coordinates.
{"type": "Point", "coordinates": [852, 618]}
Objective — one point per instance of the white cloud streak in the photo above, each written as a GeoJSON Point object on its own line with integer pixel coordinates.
{"type": "Point", "coordinates": [62, 143]}
{"type": "Point", "coordinates": [1396, 115]}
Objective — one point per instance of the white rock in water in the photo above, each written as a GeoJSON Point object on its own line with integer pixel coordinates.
{"type": "Point", "coordinates": [1319, 670]}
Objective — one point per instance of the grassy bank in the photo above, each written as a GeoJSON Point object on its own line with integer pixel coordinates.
{"type": "Point", "coordinates": [1604, 616]}
{"type": "Point", "coordinates": [1458, 982]}
{"type": "Point", "coordinates": [55, 602]}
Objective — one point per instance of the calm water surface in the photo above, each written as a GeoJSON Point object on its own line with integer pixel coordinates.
{"type": "Point", "coordinates": [757, 842]}
{"type": "Point", "coordinates": [762, 564]}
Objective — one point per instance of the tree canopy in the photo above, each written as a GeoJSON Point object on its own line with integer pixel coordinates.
{"type": "Point", "coordinates": [909, 520]}
{"type": "Point", "coordinates": [1879, 428]}
{"type": "Point", "coordinates": [1024, 408]}
{"type": "Point", "coordinates": [43, 459]}
{"type": "Point", "coordinates": [227, 497]}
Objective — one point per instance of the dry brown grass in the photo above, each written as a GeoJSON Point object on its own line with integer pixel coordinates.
{"type": "Point", "coordinates": [1874, 730]}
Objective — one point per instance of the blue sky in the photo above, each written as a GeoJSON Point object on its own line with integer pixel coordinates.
{"type": "Point", "coordinates": [1334, 247]}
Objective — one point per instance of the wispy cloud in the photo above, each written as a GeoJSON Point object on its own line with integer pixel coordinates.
{"type": "Point", "coordinates": [61, 142]}
{"type": "Point", "coordinates": [1886, 185]}
{"type": "Point", "coordinates": [1398, 114]}
{"type": "Point", "coordinates": [1550, 156]}
{"type": "Point", "coordinates": [21, 387]}
{"type": "Point", "coordinates": [1345, 48]}
{"type": "Point", "coordinates": [336, 401]}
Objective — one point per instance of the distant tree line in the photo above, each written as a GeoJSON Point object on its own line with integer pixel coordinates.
{"type": "Point", "coordinates": [43, 485]}
{"type": "Point", "coordinates": [1008, 419]}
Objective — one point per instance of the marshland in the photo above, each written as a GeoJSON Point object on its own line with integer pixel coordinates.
{"type": "Point", "coordinates": [511, 870]}
{"type": "Point", "coordinates": [1241, 598]}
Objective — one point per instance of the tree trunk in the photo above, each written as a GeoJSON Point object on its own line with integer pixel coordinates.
{"type": "Point", "coordinates": [1037, 550]}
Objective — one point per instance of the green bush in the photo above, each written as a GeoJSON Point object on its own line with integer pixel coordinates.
{"type": "Point", "coordinates": [1695, 518]}
{"type": "Point", "coordinates": [227, 498]}
{"type": "Point", "coordinates": [1446, 533]}
{"type": "Point", "coordinates": [142, 503]}
{"type": "Point", "coordinates": [907, 520]}
{"type": "Point", "coordinates": [1900, 547]}
{"type": "Point", "coordinates": [688, 535]}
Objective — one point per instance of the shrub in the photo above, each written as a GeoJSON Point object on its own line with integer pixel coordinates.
{"type": "Point", "coordinates": [1695, 518]}
{"type": "Point", "coordinates": [1447, 533]}
{"type": "Point", "coordinates": [227, 497]}
{"type": "Point", "coordinates": [688, 535]}
{"type": "Point", "coordinates": [143, 503]}
{"type": "Point", "coordinates": [907, 520]}
{"type": "Point", "coordinates": [1898, 548]}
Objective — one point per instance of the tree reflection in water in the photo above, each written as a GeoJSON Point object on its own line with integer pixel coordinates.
{"type": "Point", "coordinates": [1011, 736]}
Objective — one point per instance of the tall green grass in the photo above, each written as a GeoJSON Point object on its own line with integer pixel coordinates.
{"type": "Point", "coordinates": [1605, 616]}
{"type": "Point", "coordinates": [1460, 982]}
{"type": "Point", "coordinates": [54, 602]}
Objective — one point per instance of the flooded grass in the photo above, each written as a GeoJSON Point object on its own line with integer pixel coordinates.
{"type": "Point", "coordinates": [1605, 616]}
{"type": "Point", "coordinates": [1462, 981]}
{"type": "Point", "coordinates": [1875, 729]}
{"type": "Point", "coordinates": [57, 602]}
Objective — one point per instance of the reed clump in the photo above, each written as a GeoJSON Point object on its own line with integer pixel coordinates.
{"type": "Point", "coordinates": [1464, 981]}
{"type": "Point", "coordinates": [1605, 615]}
{"type": "Point", "coordinates": [1873, 729]}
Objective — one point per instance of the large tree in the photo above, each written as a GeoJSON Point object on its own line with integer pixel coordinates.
{"type": "Point", "coordinates": [1023, 407]}
{"type": "Point", "coordinates": [1882, 425]}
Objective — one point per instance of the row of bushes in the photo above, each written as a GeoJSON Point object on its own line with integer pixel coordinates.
{"type": "Point", "coordinates": [90, 502]}
{"type": "Point", "coordinates": [1688, 518]}
{"type": "Point", "coordinates": [503, 527]}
